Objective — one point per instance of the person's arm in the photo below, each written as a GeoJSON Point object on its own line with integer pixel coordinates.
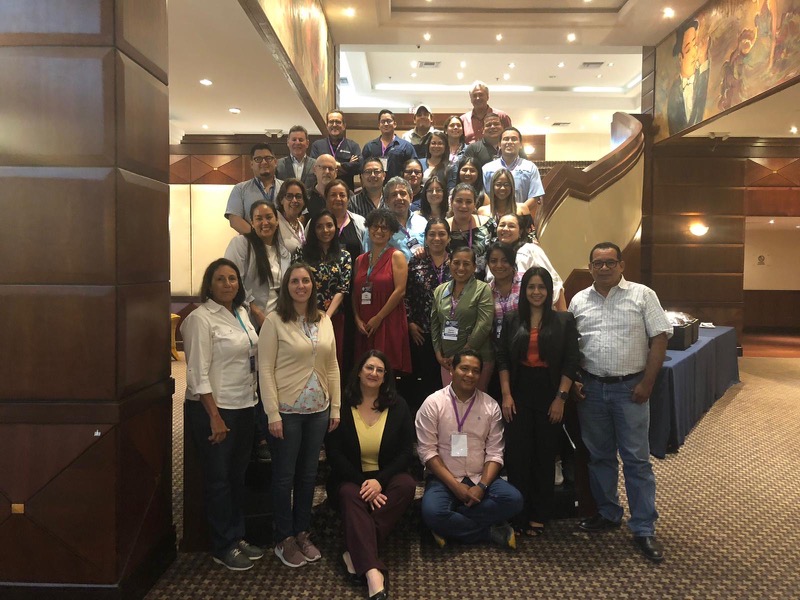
{"type": "Point", "coordinates": [414, 300]}
{"type": "Point", "coordinates": [400, 277]}
{"type": "Point", "coordinates": [655, 358]}
{"type": "Point", "coordinates": [436, 328]}
{"type": "Point", "coordinates": [267, 358]}
{"type": "Point", "coordinates": [503, 360]}
{"type": "Point", "coordinates": [493, 461]}
{"type": "Point", "coordinates": [336, 443]}
{"type": "Point", "coordinates": [332, 369]}
{"type": "Point", "coordinates": [343, 286]}
{"type": "Point", "coordinates": [484, 305]}
{"type": "Point", "coordinates": [239, 224]}
{"type": "Point", "coordinates": [403, 450]}
{"type": "Point", "coordinates": [490, 472]}
{"type": "Point", "coordinates": [353, 166]}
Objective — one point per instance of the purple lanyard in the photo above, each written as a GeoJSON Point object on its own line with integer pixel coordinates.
{"type": "Point", "coordinates": [453, 301]}
{"type": "Point", "coordinates": [385, 149]}
{"type": "Point", "coordinates": [460, 422]}
{"type": "Point", "coordinates": [346, 223]}
{"type": "Point", "coordinates": [439, 270]}
{"type": "Point", "coordinates": [335, 150]}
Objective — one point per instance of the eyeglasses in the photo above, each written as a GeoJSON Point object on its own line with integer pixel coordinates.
{"type": "Point", "coordinates": [260, 159]}
{"type": "Point", "coordinates": [502, 185]}
{"type": "Point", "coordinates": [373, 172]}
{"type": "Point", "coordinates": [374, 369]}
{"type": "Point", "coordinates": [335, 122]}
{"type": "Point", "coordinates": [412, 172]}
{"type": "Point", "coordinates": [608, 264]}
{"type": "Point", "coordinates": [324, 168]}
{"type": "Point", "coordinates": [386, 121]}
{"type": "Point", "coordinates": [294, 196]}
{"type": "Point", "coordinates": [379, 227]}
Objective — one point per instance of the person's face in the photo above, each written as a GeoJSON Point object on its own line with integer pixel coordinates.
{"type": "Point", "coordinates": [413, 175]}
{"type": "Point", "coordinates": [336, 125]}
{"type": "Point", "coordinates": [379, 233]}
{"type": "Point", "coordinates": [436, 147]}
{"type": "Point", "coordinates": [298, 144]}
{"type": "Point", "coordinates": [372, 374]}
{"type": "Point", "coordinates": [508, 230]}
{"type": "Point", "coordinates": [373, 174]}
{"type": "Point", "coordinates": [688, 54]}
{"type": "Point", "coordinates": [492, 128]}
{"type": "Point", "coordinates": [398, 200]}
{"type": "Point", "coordinates": [499, 265]}
{"type": "Point", "coordinates": [502, 188]}
{"type": "Point", "coordinates": [325, 229]}
{"type": "Point", "coordinates": [437, 239]}
{"type": "Point", "coordinates": [605, 268]}
{"type": "Point", "coordinates": [510, 142]}
{"type": "Point", "coordinates": [463, 203]}
{"type": "Point", "coordinates": [536, 292]}
{"type": "Point", "coordinates": [292, 202]}
{"type": "Point", "coordinates": [300, 285]}
{"type": "Point", "coordinates": [386, 124]}
{"type": "Point", "coordinates": [224, 285]}
{"type": "Point", "coordinates": [422, 120]}
{"type": "Point", "coordinates": [479, 97]}
{"type": "Point", "coordinates": [435, 194]}
{"type": "Point", "coordinates": [262, 163]}
{"type": "Point", "coordinates": [462, 267]}
{"type": "Point", "coordinates": [468, 174]}
{"type": "Point", "coordinates": [466, 374]}
{"type": "Point", "coordinates": [455, 129]}
{"type": "Point", "coordinates": [265, 222]}
{"type": "Point", "coordinates": [325, 169]}
{"type": "Point", "coordinates": [336, 200]}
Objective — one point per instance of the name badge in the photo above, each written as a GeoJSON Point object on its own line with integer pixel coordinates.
{"type": "Point", "coordinates": [366, 294]}
{"type": "Point", "coordinates": [344, 154]}
{"type": "Point", "coordinates": [450, 332]}
{"type": "Point", "coordinates": [413, 242]}
{"type": "Point", "coordinates": [458, 445]}
{"type": "Point", "coordinates": [385, 163]}
{"type": "Point", "coordinates": [253, 360]}
{"type": "Point", "coordinates": [498, 327]}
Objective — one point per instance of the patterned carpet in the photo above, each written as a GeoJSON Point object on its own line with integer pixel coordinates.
{"type": "Point", "coordinates": [729, 502]}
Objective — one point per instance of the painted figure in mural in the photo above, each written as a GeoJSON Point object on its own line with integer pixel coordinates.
{"type": "Point", "coordinates": [733, 87]}
{"type": "Point", "coordinates": [687, 96]}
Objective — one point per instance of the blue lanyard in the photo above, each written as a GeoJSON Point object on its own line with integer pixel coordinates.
{"type": "Point", "coordinates": [371, 266]}
{"type": "Point", "coordinates": [247, 333]}
{"type": "Point", "coordinates": [268, 197]}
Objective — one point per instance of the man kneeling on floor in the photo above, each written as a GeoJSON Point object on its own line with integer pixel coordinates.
{"type": "Point", "coordinates": [460, 435]}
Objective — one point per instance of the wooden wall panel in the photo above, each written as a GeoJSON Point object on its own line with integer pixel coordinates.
{"type": "Point", "coordinates": [70, 329]}
{"type": "Point", "coordinates": [690, 287]}
{"type": "Point", "coordinates": [47, 23]}
{"type": "Point", "coordinates": [670, 200]}
{"type": "Point", "coordinates": [62, 100]}
{"type": "Point", "coordinates": [141, 28]}
{"type": "Point", "coordinates": [674, 229]}
{"type": "Point", "coordinates": [57, 203]}
{"type": "Point", "coordinates": [772, 308]}
{"type": "Point", "coordinates": [780, 202]}
{"type": "Point", "coordinates": [697, 258]}
{"type": "Point", "coordinates": [717, 172]}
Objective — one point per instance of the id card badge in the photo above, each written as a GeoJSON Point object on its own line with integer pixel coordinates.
{"type": "Point", "coordinates": [253, 359]}
{"type": "Point", "coordinates": [385, 163]}
{"type": "Point", "coordinates": [450, 332]}
{"type": "Point", "coordinates": [366, 294]}
{"type": "Point", "coordinates": [458, 445]}
{"type": "Point", "coordinates": [498, 327]}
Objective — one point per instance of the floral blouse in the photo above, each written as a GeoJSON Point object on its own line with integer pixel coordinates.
{"type": "Point", "coordinates": [331, 277]}
{"type": "Point", "coordinates": [479, 241]}
{"type": "Point", "coordinates": [423, 278]}
{"type": "Point", "coordinates": [504, 304]}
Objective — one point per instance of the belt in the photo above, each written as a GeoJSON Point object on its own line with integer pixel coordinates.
{"type": "Point", "coordinates": [613, 379]}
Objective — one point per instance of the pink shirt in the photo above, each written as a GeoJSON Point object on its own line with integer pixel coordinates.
{"type": "Point", "coordinates": [473, 126]}
{"type": "Point", "coordinates": [436, 421]}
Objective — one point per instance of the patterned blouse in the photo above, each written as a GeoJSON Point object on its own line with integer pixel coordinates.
{"type": "Point", "coordinates": [331, 277]}
{"type": "Point", "coordinates": [504, 304]}
{"type": "Point", "coordinates": [478, 239]}
{"type": "Point", "coordinates": [423, 278]}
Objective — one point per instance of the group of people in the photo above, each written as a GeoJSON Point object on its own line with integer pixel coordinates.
{"type": "Point", "coordinates": [373, 326]}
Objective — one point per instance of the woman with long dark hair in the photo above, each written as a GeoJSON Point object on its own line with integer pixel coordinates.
{"type": "Point", "coordinates": [468, 228]}
{"type": "Point", "coordinates": [469, 171]}
{"type": "Point", "coordinates": [437, 161]}
{"type": "Point", "coordinates": [537, 359]}
{"type": "Point", "coordinates": [434, 199]}
{"type": "Point", "coordinates": [456, 144]}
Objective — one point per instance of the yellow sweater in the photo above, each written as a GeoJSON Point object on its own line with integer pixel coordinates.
{"type": "Point", "coordinates": [286, 361]}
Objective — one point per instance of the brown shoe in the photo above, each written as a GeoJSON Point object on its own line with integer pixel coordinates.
{"type": "Point", "coordinates": [309, 550]}
{"type": "Point", "coordinates": [289, 553]}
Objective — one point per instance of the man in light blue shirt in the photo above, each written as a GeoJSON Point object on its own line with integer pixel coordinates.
{"type": "Point", "coordinates": [527, 182]}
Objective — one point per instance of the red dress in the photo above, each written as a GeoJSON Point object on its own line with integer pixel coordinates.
{"type": "Point", "coordinates": [391, 337]}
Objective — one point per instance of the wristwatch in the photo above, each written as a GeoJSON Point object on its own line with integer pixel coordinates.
{"type": "Point", "coordinates": [563, 395]}
{"type": "Point", "coordinates": [482, 486]}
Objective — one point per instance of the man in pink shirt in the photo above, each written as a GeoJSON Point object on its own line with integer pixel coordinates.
{"type": "Point", "coordinates": [473, 120]}
{"type": "Point", "coordinates": [460, 435]}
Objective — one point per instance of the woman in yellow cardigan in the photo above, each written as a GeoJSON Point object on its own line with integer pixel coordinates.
{"type": "Point", "coordinates": [299, 379]}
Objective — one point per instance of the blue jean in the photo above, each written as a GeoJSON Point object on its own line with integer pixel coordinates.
{"type": "Point", "coordinates": [449, 518]}
{"type": "Point", "coordinates": [611, 420]}
{"type": "Point", "coordinates": [295, 460]}
{"type": "Point", "coordinates": [223, 466]}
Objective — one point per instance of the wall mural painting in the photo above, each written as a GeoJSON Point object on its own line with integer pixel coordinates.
{"type": "Point", "coordinates": [729, 52]}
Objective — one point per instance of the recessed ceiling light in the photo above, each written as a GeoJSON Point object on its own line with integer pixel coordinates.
{"type": "Point", "coordinates": [413, 74]}
{"type": "Point", "coordinates": [561, 65]}
{"type": "Point", "coordinates": [463, 64]}
{"type": "Point", "coordinates": [547, 118]}
{"type": "Point", "coordinates": [610, 64]}
{"type": "Point", "coordinates": [414, 64]}
{"type": "Point", "coordinates": [206, 82]}
{"type": "Point", "coordinates": [793, 130]}
{"type": "Point", "coordinates": [499, 37]}
{"type": "Point", "coordinates": [506, 76]}
{"type": "Point", "coordinates": [427, 37]}
{"type": "Point", "coordinates": [459, 76]}
{"type": "Point", "coordinates": [599, 75]}
{"type": "Point", "coordinates": [571, 37]}
{"type": "Point", "coordinates": [234, 110]}
{"type": "Point", "coordinates": [586, 1]}
{"type": "Point", "coordinates": [668, 13]}
{"type": "Point", "coordinates": [772, 221]}
{"type": "Point", "coordinates": [350, 12]}
{"type": "Point", "coordinates": [204, 126]}
{"type": "Point", "coordinates": [511, 65]}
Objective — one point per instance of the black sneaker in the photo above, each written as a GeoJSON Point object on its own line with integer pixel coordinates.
{"type": "Point", "coordinates": [235, 560]}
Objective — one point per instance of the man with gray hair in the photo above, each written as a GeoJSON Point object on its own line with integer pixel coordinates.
{"type": "Point", "coordinates": [411, 236]}
{"type": "Point", "coordinates": [473, 120]}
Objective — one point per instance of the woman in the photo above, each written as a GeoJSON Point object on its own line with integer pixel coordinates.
{"type": "Point", "coordinates": [425, 274]}
{"type": "Point", "coordinates": [437, 162]}
{"type": "Point", "coordinates": [461, 317]}
{"type": "Point", "coordinates": [537, 357]}
{"type": "Point", "coordinates": [332, 269]}
{"type": "Point", "coordinates": [221, 349]}
{"type": "Point", "coordinates": [501, 197]}
{"type": "Point", "coordinates": [505, 283]}
{"type": "Point", "coordinates": [468, 228]}
{"type": "Point", "coordinates": [369, 455]}
{"type": "Point", "coordinates": [456, 144]}
{"type": "Point", "coordinates": [434, 200]}
{"type": "Point", "coordinates": [292, 199]}
{"type": "Point", "coordinates": [528, 254]}
{"type": "Point", "coordinates": [469, 171]}
{"type": "Point", "coordinates": [412, 173]}
{"type": "Point", "coordinates": [300, 384]}
{"type": "Point", "coordinates": [379, 284]}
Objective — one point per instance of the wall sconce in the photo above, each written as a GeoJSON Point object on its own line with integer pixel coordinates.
{"type": "Point", "coordinates": [698, 229]}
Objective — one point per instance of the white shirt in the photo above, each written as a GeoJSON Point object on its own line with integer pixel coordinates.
{"type": "Point", "coordinates": [297, 165]}
{"type": "Point", "coordinates": [218, 354]}
{"type": "Point", "coordinates": [615, 330]}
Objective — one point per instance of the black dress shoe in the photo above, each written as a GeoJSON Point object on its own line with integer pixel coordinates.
{"type": "Point", "coordinates": [382, 595]}
{"type": "Point", "coordinates": [650, 547]}
{"type": "Point", "coordinates": [352, 578]}
{"type": "Point", "coordinates": [598, 523]}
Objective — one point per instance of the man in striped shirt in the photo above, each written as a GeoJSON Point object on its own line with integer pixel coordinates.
{"type": "Point", "coordinates": [623, 342]}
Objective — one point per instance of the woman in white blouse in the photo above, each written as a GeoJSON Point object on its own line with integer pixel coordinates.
{"type": "Point", "coordinates": [221, 350]}
{"type": "Point", "coordinates": [299, 378]}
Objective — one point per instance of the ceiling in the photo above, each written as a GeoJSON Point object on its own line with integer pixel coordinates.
{"type": "Point", "coordinates": [774, 224]}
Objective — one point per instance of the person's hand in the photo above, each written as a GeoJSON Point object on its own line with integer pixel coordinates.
{"type": "Point", "coordinates": [419, 250]}
{"type": "Point", "coordinates": [474, 495]}
{"type": "Point", "coordinates": [276, 429]}
{"type": "Point", "coordinates": [416, 334]}
{"type": "Point", "coordinates": [333, 424]}
{"type": "Point", "coordinates": [360, 325]}
{"type": "Point", "coordinates": [556, 412]}
{"type": "Point", "coordinates": [641, 393]}
{"type": "Point", "coordinates": [462, 493]}
{"type": "Point", "coordinates": [509, 408]}
{"type": "Point", "coordinates": [219, 430]}
{"type": "Point", "coordinates": [447, 363]}
{"type": "Point", "coordinates": [257, 313]}
{"type": "Point", "coordinates": [577, 387]}
{"type": "Point", "coordinates": [373, 324]}
{"type": "Point", "coordinates": [379, 501]}
{"type": "Point", "coordinates": [354, 158]}
{"type": "Point", "coordinates": [370, 490]}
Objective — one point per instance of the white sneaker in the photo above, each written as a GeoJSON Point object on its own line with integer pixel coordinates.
{"type": "Point", "coordinates": [559, 474]}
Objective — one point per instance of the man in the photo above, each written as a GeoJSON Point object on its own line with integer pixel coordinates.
{"type": "Point", "coordinates": [623, 342]}
{"type": "Point", "coordinates": [687, 96]}
{"type": "Point", "coordinates": [473, 120]}
{"type": "Point", "coordinates": [527, 182]}
{"type": "Point", "coordinates": [410, 240]}
{"type": "Point", "coordinates": [325, 172]}
{"type": "Point", "coordinates": [346, 152]}
{"type": "Point", "coordinates": [486, 149]}
{"type": "Point", "coordinates": [297, 165]}
{"type": "Point", "coordinates": [371, 195]}
{"type": "Point", "coordinates": [460, 437]}
{"type": "Point", "coordinates": [390, 149]}
{"type": "Point", "coordinates": [263, 186]}
{"type": "Point", "coordinates": [421, 134]}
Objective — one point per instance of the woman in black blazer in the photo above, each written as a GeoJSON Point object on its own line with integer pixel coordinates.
{"type": "Point", "coordinates": [369, 455]}
{"type": "Point", "coordinates": [537, 357]}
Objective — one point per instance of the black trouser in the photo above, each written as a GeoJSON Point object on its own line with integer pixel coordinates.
{"type": "Point", "coordinates": [426, 378]}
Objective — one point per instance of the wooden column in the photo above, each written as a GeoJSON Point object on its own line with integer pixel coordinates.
{"type": "Point", "coordinates": [85, 399]}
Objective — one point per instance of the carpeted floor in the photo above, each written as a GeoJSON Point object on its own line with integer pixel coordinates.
{"type": "Point", "coordinates": [729, 503]}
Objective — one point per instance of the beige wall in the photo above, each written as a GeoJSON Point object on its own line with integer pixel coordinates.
{"type": "Point", "coordinates": [780, 250]}
{"type": "Point", "coordinates": [577, 146]}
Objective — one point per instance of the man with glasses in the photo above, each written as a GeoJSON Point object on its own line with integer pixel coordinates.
{"type": "Point", "coordinates": [263, 186]}
{"type": "Point", "coordinates": [392, 151]}
{"type": "Point", "coordinates": [527, 182]}
{"type": "Point", "coordinates": [474, 121]}
{"type": "Point", "coordinates": [623, 342]}
{"type": "Point", "coordinates": [346, 152]}
{"type": "Point", "coordinates": [371, 195]}
{"type": "Point", "coordinates": [325, 172]}
{"type": "Point", "coordinates": [298, 164]}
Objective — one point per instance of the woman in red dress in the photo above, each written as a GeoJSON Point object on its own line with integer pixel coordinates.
{"type": "Point", "coordinates": [378, 289]}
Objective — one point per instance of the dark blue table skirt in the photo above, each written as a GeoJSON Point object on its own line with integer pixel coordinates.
{"type": "Point", "coordinates": [688, 385]}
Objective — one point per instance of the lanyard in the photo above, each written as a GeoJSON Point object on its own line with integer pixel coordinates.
{"type": "Point", "coordinates": [385, 149]}
{"type": "Point", "coordinates": [460, 422]}
{"type": "Point", "coordinates": [268, 197]}
{"type": "Point", "coordinates": [346, 223]}
{"type": "Point", "coordinates": [438, 270]}
{"type": "Point", "coordinates": [371, 264]}
{"type": "Point", "coordinates": [335, 150]}
{"type": "Point", "coordinates": [513, 164]}
{"type": "Point", "coordinates": [453, 301]}
{"type": "Point", "coordinates": [244, 328]}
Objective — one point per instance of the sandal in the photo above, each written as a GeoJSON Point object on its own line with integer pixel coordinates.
{"type": "Point", "coordinates": [534, 530]}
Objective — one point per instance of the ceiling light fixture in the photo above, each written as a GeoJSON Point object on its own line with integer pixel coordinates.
{"type": "Point", "coordinates": [571, 37]}
{"type": "Point", "coordinates": [413, 74]}
{"type": "Point", "coordinates": [459, 76]}
{"type": "Point", "coordinates": [499, 37]}
{"type": "Point", "coordinates": [698, 229]}
{"type": "Point", "coordinates": [439, 87]}
{"type": "Point", "coordinates": [204, 126]}
{"type": "Point", "coordinates": [206, 82]}
{"type": "Point", "coordinates": [463, 64]}
{"type": "Point", "coordinates": [634, 82]}
{"type": "Point", "coordinates": [427, 37]}
{"type": "Point", "coordinates": [610, 64]}
{"type": "Point", "coordinates": [414, 64]}
{"type": "Point", "coordinates": [561, 65]}
{"type": "Point", "coordinates": [793, 130]}
{"type": "Point", "coordinates": [669, 13]}
{"type": "Point", "coordinates": [599, 75]}
{"type": "Point", "coordinates": [587, 89]}
{"type": "Point", "coordinates": [547, 118]}
{"type": "Point", "coordinates": [511, 65]}
{"type": "Point", "coordinates": [349, 12]}
{"type": "Point", "coordinates": [234, 110]}
{"type": "Point", "coordinates": [506, 76]}
{"type": "Point", "coordinates": [529, 149]}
